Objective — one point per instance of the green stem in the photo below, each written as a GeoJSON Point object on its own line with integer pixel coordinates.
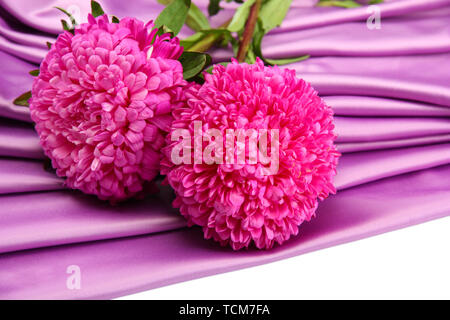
{"type": "Point", "coordinates": [208, 42]}
{"type": "Point", "coordinates": [248, 31]}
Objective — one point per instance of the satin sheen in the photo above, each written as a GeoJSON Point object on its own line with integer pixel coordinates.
{"type": "Point", "coordinates": [390, 92]}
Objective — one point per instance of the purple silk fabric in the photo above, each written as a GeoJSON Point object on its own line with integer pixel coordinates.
{"type": "Point", "coordinates": [389, 89]}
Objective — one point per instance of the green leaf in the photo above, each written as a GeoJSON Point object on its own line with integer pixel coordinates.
{"type": "Point", "coordinates": [66, 26]}
{"type": "Point", "coordinates": [115, 19]}
{"type": "Point", "coordinates": [235, 46]}
{"type": "Point", "coordinates": [49, 45]}
{"type": "Point", "coordinates": [339, 3]}
{"type": "Point", "coordinates": [281, 62]}
{"type": "Point", "coordinates": [96, 9]}
{"type": "Point", "coordinates": [251, 56]}
{"type": "Point", "coordinates": [273, 12]}
{"type": "Point", "coordinates": [375, 1]}
{"type": "Point", "coordinates": [34, 73]}
{"type": "Point", "coordinates": [193, 63]}
{"type": "Point", "coordinates": [240, 16]}
{"type": "Point", "coordinates": [257, 41]}
{"type": "Point", "coordinates": [163, 29]}
{"type": "Point", "coordinates": [71, 17]}
{"type": "Point", "coordinates": [188, 42]}
{"type": "Point", "coordinates": [195, 19]}
{"type": "Point", "coordinates": [22, 100]}
{"type": "Point", "coordinates": [174, 15]}
{"type": "Point", "coordinates": [201, 41]}
{"type": "Point", "coordinates": [214, 7]}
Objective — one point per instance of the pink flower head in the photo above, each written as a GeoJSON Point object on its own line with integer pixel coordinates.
{"type": "Point", "coordinates": [237, 204]}
{"type": "Point", "coordinates": [102, 104]}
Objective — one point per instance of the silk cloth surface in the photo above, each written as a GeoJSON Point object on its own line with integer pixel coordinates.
{"type": "Point", "coordinates": [390, 91]}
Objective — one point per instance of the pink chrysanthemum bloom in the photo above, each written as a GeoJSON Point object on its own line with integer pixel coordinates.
{"type": "Point", "coordinates": [238, 204]}
{"type": "Point", "coordinates": [102, 104]}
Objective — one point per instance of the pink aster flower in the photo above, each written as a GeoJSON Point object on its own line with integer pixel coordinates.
{"type": "Point", "coordinates": [102, 104]}
{"type": "Point", "coordinates": [237, 204]}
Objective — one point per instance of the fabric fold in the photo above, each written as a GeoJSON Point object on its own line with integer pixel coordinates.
{"type": "Point", "coordinates": [318, 17]}
{"type": "Point", "coordinates": [365, 106]}
{"type": "Point", "coordinates": [363, 167]}
{"type": "Point", "coordinates": [34, 55]}
{"type": "Point", "coordinates": [351, 147]}
{"type": "Point", "coordinates": [18, 139]}
{"type": "Point", "coordinates": [428, 36]}
{"type": "Point", "coordinates": [123, 266]}
{"type": "Point", "coordinates": [353, 129]}
{"type": "Point", "coordinates": [400, 77]}
{"type": "Point", "coordinates": [27, 222]}
{"type": "Point", "coordinates": [26, 176]}
{"type": "Point", "coordinates": [70, 217]}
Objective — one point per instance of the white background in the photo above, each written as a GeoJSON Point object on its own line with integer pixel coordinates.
{"type": "Point", "coordinates": [411, 263]}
